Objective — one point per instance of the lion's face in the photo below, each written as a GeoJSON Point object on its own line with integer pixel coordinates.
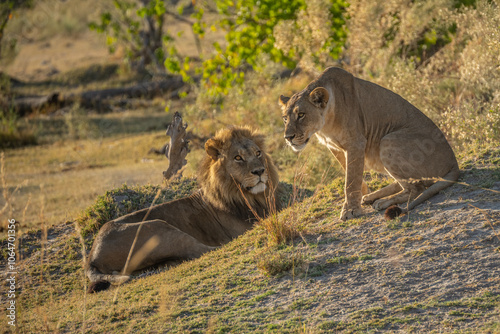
{"type": "Point", "coordinates": [303, 115]}
{"type": "Point", "coordinates": [244, 162]}
{"type": "Point", "coordinates": [236, 163]}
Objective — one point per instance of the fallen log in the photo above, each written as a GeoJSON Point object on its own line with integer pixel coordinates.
{"type": "Point", "coordinates": [145, 89]}
{"type": "Point", "coordinates": [97, 99]}
{"type": "Point", "coordinates": [28, 104]}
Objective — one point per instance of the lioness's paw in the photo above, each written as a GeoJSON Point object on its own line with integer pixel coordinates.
{"type": "Point", "coordinates": [367, 199]}
{"type": "Point", "coordinates": [382, 204]}
{"type": "Point", "coordinates": [348, 213]}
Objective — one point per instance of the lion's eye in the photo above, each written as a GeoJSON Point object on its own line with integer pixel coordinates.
{"type": "Point", "coordinates": [238, 158]}
{"type": "Point", "coordinates": [258, 154]}
{"type": "Point", "coordinates": [285, 119]}
{"type": "Point", "coordinates": [301, 115]}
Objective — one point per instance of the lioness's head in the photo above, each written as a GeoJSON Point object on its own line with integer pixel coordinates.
{"type": "Point", "coordinates": [304, 115]}
{"type": "Point", "coordinates": [237, 170]}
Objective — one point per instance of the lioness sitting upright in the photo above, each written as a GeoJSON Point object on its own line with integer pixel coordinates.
{"type": "Point", "coordinates": [367, 127]}
{"type": "Point", "coordinates": [238, 181]}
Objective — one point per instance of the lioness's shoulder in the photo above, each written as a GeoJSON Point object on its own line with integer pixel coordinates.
{"type": "Point", "coordinates": [334, 75]}
{"type": "Point", "coordinates": [334, 70]}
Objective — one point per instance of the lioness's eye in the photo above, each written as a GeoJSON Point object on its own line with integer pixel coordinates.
{"type": "Point", "coordinates": [258, 154]}
{"type": "Point", "coordinates": [301, 115]}
{"type": "Point", "coordinates": [238, 158]}
{"type": "Point", "coordinates": [285, 118]}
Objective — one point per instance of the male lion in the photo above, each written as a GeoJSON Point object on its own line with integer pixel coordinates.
{"type": "Point", "coordinates": [238, 181]}
{"type": "Point", "coordinates": [366, 126]}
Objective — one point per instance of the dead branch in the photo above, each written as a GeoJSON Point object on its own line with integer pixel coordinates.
{"type": "Point", "coordinates": [177, 149]}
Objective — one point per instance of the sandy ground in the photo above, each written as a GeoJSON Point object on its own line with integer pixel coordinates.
{"type": "Point", "coordinates": [39, 61]}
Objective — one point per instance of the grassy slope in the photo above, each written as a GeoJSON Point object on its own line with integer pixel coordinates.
{"type": "Point", "coordinates": [436, 270]}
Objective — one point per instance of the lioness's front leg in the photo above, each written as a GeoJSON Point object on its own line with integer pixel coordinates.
{"type": "Point", "coordinates": [355, 160]}
{"type": "Point", "coordinates": [340, 156]}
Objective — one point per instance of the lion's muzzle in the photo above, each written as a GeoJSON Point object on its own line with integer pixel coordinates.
{"type": "Point", "coordinates": [295, 144]}
{"type": "Point", "coordinates": [258, 181]}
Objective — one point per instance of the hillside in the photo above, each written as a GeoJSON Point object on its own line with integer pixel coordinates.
{"type": "Point", "coordinates": [435, 270]}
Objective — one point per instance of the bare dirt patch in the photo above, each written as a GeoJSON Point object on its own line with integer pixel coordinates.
{"type": "Point", "coordinates": [41, 60]}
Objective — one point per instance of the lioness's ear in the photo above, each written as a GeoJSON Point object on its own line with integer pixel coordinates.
{"type": "Point", "coordinates": [319, 97]}
{"type": "Point", "coordinates": [283, 100]}
{"type": "Point", "coordinates": [213, 148]}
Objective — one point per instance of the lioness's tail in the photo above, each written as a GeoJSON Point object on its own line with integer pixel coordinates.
{"type": "Point", "coordinates": [452, 176]}
{"type": "Point", "coordinates": [100, 281]}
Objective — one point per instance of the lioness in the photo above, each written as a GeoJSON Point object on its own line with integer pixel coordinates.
{"type": "Point", "coordinates": [366, 127]}
{"type": "Point", "coordinates": [238, 181]}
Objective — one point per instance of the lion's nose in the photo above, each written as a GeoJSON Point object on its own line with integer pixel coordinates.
{"type": "Point", "coordinates": [289, 137]}
{"type": "Point", "coordinates": [258, 171]}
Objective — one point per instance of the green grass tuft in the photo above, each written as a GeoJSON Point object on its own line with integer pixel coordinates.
{"type": "Point", "coordinates": [274, 261]}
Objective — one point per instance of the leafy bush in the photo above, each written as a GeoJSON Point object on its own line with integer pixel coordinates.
{"type": "Point", "coordinates": [317, 36]}
{"type": "Point", "coordinates": [252, 29]}
{"type": "Point", "coordinates": [260, 31]}
{"type": "Point", "coordinates": [248, 27]}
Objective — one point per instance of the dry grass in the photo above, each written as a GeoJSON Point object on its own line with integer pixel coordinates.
{"type": "Point", "coordinates": [54, 18]}
{"type": "Point", "coordinates": [102, 152]}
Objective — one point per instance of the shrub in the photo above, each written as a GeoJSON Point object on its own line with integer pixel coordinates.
{"type": "Point", "coordinates": [12, 133]}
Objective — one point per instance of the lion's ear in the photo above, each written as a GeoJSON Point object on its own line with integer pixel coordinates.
{"type": "Point", "coordinates": [319, 97]}
{"type": "Point", "coordinates": [283, 100]}
{"type": "Point", "coordinates": [213, 148]}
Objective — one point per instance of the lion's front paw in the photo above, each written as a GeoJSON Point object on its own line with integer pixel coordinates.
{"type": "Point", "coordinates": [349, 213]}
